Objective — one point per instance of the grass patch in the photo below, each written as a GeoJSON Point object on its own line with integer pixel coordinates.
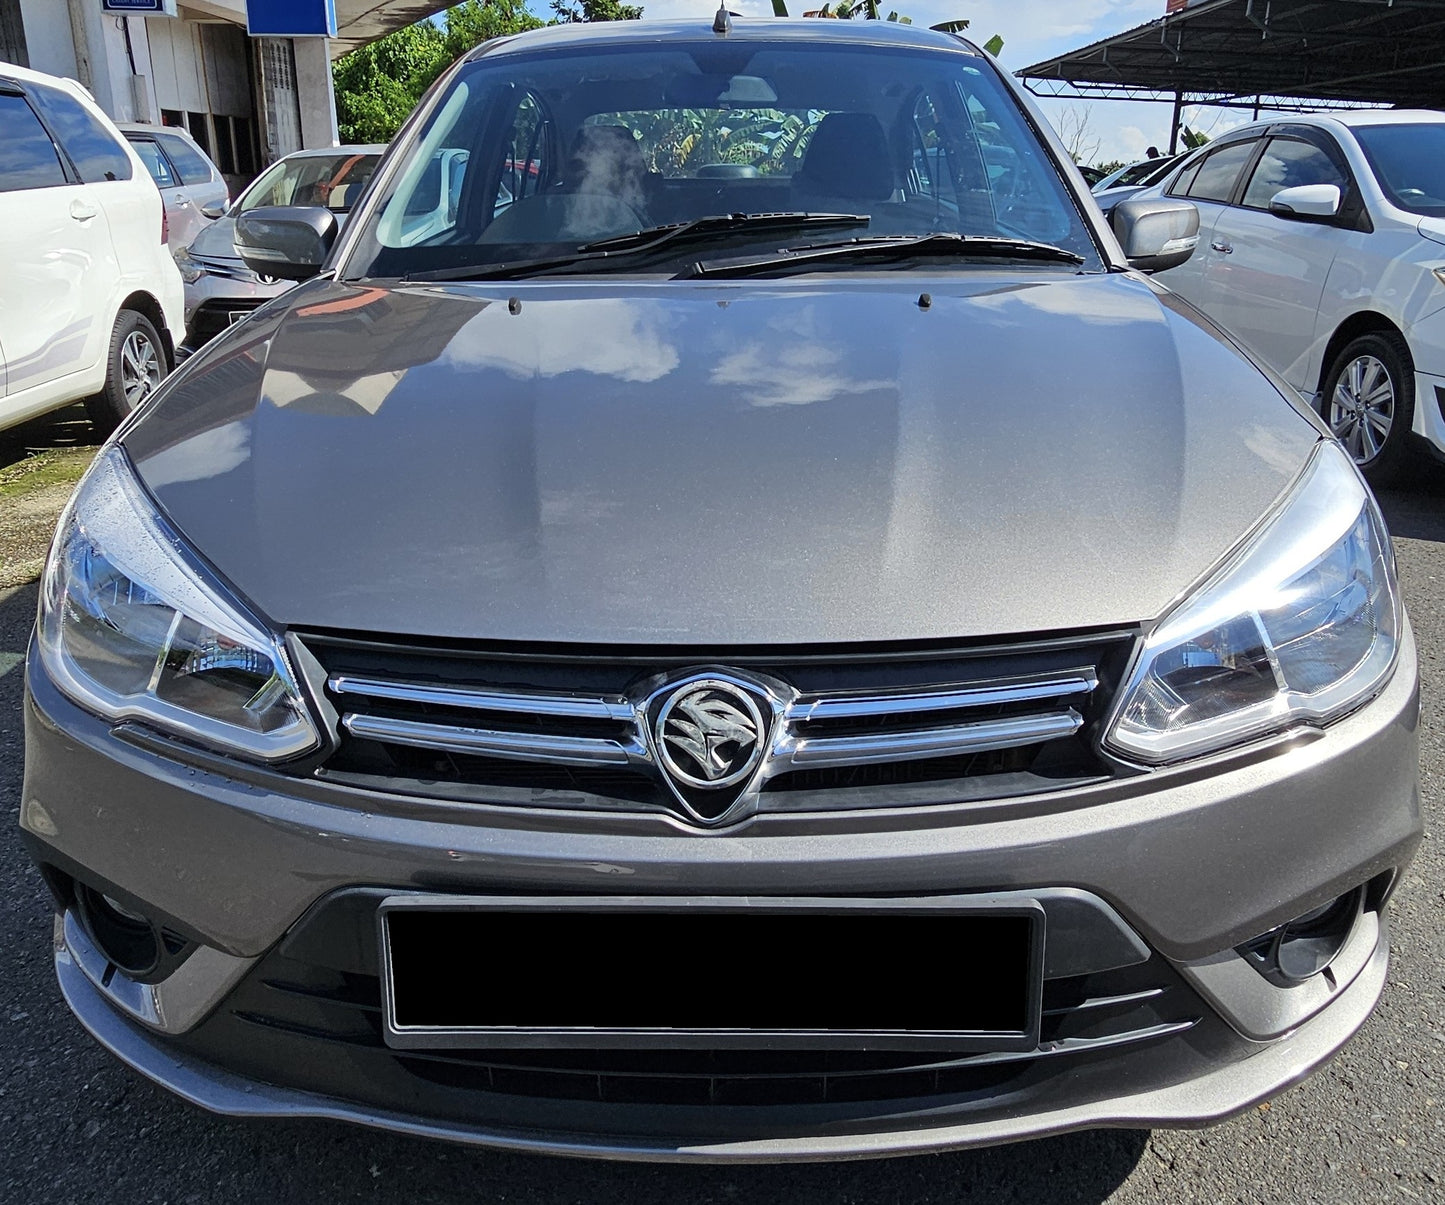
{"type": "Point", "coordinates": [33, 492]}
{"type": "Point", "coordinates": [63, 466]}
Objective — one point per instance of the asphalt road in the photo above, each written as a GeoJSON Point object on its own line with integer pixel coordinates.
{"type": "Point", "coordinates": [76, 1126]}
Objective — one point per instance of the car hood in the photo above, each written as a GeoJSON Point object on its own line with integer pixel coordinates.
{"type": "Point", "coordinates": [217, 240]}
{"type": "Point", "coordinates": [743, 463]}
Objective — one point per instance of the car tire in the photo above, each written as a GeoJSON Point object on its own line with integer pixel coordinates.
{"type": "Point", "coordinates": [136, 365]}
{"type": "Point", "coordinates": [1368, 400]}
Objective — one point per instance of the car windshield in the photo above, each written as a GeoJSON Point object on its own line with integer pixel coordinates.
{"type": "Point", "coordinates": [1409, 162]}
{"type": "Point", "coordinates": [335, 181]}
{"type": "Point", "coordinates": [530, 155]}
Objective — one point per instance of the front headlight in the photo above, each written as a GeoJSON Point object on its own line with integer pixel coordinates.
{"type": "Point", "coordinates": [1299, 626]}
{"type": "Point", "coordinates": [131, 626]}
{"type": "Point", "coordinates": [190, 270]}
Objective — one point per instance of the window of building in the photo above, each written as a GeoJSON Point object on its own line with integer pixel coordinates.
{"type": "Point", "coordinates": [92, 148]}
{"type": "Point", "coordinates": [200, 130]}
{"type": "Point", "coordinates": [225, 152]}
{"type": "Point", "coordinates": [27, 156]}
{"type": "Point", "coordinates": [12, 34]}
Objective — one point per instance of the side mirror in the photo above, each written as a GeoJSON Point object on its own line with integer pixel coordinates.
{"type": "Point", "coordinates": [1307, 202]}
{"type": "Point", "coordinates": [1157, 233]}
{"type": "Point", "coordinates": [215, 210]}
{"type": "Point", "coordinates": [287, 241]}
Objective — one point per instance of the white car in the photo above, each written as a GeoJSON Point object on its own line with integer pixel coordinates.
{"type": "Point", "coordinates": [1322, 250]}
{"type": "Point", "coordinates": [90, 298]}
{"type": "Point", "coordinates": [192, 187]}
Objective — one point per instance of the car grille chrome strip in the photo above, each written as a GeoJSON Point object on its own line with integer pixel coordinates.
{"type": "Point", "coordinates": [951, 741]}
{"type": "Point", "coordinates": [475, 698]}
{"type": "Point", "coordinates": [610, 736]}
{"type": "Point", "coordinates": [1075, 682]}
{"type": "Point", "coordinates": [486, 742]}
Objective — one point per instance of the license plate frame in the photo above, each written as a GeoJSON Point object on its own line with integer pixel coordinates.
{"type": "Point", "coordinates": [1025, 917]}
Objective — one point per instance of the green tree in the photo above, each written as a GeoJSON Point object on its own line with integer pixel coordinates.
{"type": "Point", "coordinates": [1192, 139]}
{"type": "Point", "coordinates": [378, 86]}
{"type": "Point", "coordinates": [595, 10]}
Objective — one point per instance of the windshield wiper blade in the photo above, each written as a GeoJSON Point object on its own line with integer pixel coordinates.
{"type": "Point", "coordinates": [718, 223]}
{"type": "Point", "coordinates": [887, 247]}
{"type": "Point", "coordinates": [644, 242]}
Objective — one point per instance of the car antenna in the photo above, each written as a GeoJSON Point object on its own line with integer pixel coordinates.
{"type": "Point", "coordinates": [723, 22]}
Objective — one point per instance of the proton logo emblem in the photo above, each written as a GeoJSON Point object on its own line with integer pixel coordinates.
{"type": "Point", "coordinates": [710, 734]}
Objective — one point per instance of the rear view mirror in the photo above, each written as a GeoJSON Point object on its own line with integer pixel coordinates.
{"type": "Point", "coordinates": [1307, 202]}
{"type": "Point", "coordinates": [1157, 233]}
{"type": "Point", "coordinates": [287, 241]}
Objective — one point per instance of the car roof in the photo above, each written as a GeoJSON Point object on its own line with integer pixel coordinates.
{"type": "Point", "coordinates": [576, 35]}
{"type": "Point", "coordinates": [317, 152]}
{"type": "Point", "coordinates": [24, 75]}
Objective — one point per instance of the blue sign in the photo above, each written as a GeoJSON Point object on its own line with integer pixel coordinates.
{"type": "Point", "coordinates": [291, 18]}
{"type": "Point", "coordinates": [163, 8]}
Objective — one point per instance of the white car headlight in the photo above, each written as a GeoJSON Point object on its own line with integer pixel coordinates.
{"type": "Point", "coordinates": [1299, 626]}
{"type": "Point", "coordinates": [132, 626]}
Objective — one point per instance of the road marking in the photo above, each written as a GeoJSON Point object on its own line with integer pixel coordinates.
{"type": "Point", "coordinates": [9, 661]}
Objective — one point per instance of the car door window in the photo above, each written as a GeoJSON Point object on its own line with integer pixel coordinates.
{"type": "Point", "coordinates": [528, 155]}
{"type": "Point", "coordinates": [1288, 163]}
{"type": "Point", "coordinates": [194, 168]}
{"type": "Point", "coordinates": [156, 163]}
{"type": "Point", "coordinates": [28, 159]}
{"type": "Point", "coordinates": [1217, 173]}
{"type": "Point", "coordinates": [94, 150]}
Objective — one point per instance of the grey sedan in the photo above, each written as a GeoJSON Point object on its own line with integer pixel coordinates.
{"type": "Point", "coordinates": [728, 618]}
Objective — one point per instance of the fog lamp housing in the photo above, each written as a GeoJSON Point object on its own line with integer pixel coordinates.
{"type": "Point", "coordinates": [1304, 947]}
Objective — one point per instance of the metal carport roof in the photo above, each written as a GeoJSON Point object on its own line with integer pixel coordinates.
{"type": "Point", "coordinates": [1386, 52]}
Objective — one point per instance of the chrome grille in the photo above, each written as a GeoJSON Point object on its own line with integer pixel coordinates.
{"type": "Point", "coordinates": [841, 729]}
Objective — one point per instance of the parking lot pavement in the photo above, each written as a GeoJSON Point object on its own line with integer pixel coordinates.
{"type": "Point", "coordinates": [75, 1126]}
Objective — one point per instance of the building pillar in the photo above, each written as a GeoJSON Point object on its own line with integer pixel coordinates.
{"type": "Point", "coordinates": [315, 93]}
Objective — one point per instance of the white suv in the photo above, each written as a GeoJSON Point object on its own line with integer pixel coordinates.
{"type": "Point", "coordinates": [1322, 250]}
{"type": "Point", "coordinates": [91, 301]}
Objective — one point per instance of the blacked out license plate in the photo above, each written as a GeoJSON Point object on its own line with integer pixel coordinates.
{"type": "Point", "coordinates": [941, 973]}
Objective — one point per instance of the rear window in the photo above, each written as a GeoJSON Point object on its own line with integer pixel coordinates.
{"type": "Point", "coordinates": [94, 150]}
{"type": "Point", "coordinates": [1409, 163]}
{"type": "Point", "coordinates": [27, 156]}
{"type": "Point", "coordinates": [194, 167]}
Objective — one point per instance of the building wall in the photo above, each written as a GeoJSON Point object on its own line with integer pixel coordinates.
{"type": "Point", "coordinates": [198, 70]}
{"type": "Point", "coordinates": [47, 36]}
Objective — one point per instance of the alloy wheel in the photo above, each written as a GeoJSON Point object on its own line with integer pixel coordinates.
{"type": "Point", "coordinates": [1362, 408]}
{"type": "Point", "coordinates": [140, 368]}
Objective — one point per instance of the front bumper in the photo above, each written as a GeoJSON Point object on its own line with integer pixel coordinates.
{"type": "Point", "coordinates": [1193, 861]}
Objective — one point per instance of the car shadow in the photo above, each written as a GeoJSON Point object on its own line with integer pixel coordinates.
{"type": "Point", "coordinates": [1415, 509]}
{"type": "Point", "coordinates": [60, 1075]}
{"type": "Point", "coordinates": [67, 428]}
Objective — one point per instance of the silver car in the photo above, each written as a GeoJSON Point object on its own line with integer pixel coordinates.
{"type": "Point", "coordinates": [220, 289]}
{"type": "Point", "coordinates": [192, 187]}
{"type": "Point", "coordinates": [728, 619]}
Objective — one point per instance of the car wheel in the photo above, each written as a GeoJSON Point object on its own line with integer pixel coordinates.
{"type": "Point", "coordinates": [137, 364]}
{"type": "Point", "coordinates": [1369, 402]}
